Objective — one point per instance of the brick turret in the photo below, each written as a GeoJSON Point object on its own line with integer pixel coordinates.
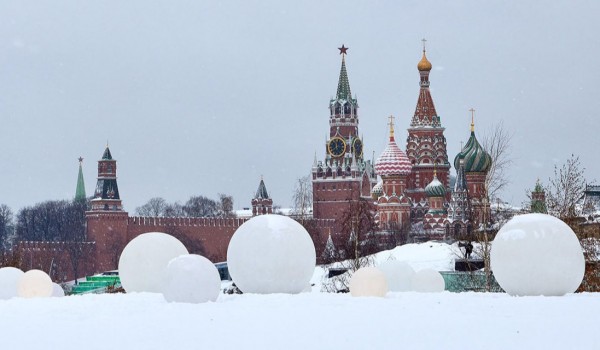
{"type": "Point", "coordinates": [262, 203]}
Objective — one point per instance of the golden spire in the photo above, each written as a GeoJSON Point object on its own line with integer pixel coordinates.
{"type": "Point", "coordinates": [472, 110]}
{"type": "Point", "coordinates": [424, 64]}
{"type": "Point", "coordinates": [391, 124]}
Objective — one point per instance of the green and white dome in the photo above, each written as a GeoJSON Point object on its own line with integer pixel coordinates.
{"type": "Point", "coordinates": [476, 159]}
{"type": "Point", "coordinates": [435, 188]}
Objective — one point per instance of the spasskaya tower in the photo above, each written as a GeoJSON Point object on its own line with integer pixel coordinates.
{"type": "Point", "coordinates": [343, 175]}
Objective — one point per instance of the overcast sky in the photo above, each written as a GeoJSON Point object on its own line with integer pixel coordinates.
{"type": "Point", "coordinates": [204, 97]}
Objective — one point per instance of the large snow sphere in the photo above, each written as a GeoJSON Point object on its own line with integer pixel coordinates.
{"type": "Point", "coordinates": [57, 290]}
{"type": "Point", "coordinates": [271, 254]}
{"type": "Point", "coordinates": [144, 261]}
{"type": "Point", "coordinates": [368, 282]}
{"type": "Point", "coordinates": [537, 254]}
{"type": "Point", "coordinates": [428, 281]}
{"type": "Point", "coordinates": [399, 275]}
{"type": "Point", "coordinates": [191, 279]}
{"type": "Point", "coordinates": [9, 278]}
{"type": "Point", "coordinates": [34, 283]}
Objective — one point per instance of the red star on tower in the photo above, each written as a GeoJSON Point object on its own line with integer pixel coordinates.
{"type": "Point", "coordinates": [343, 50]}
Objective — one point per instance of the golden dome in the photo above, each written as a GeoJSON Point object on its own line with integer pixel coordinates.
{"type": "Point", "coordinates": [424, 64]}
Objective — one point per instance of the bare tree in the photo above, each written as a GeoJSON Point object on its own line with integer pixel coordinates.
{"type": "Point", "coordinates": [200, 206]}
{"type": "Point", "coordinates": [302, 199]}
{"type": "Point", "coordinates": [52, 221]}
{"type": "Point", "coordinates": [358, 224]}
{"type": "Point", "coordinates": [153, 208]}
{"type": "Point", "coordinates": [226, 206]}
{"type": "Point", "coordinates": [174, 210]}
{"type": "Point", "coordinates": [496, 141]}
{"type": "Point", "coordinates": [7, 228]}
{"type": "Point", "coordinates": [566, 188]}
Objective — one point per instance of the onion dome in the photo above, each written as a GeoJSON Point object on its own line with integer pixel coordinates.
{"type": "Point", "coordinates": [377, 190]}
{"type": "Point", "coordinates": [435, 188]}
{"type": "Point", "coordinates": [474, 156]}
{"type": "Point", "coordinates": [392, 161]}
{"type": "Point", "coordinates": [424, 64]}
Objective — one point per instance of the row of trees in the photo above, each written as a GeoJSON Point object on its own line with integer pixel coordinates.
{"type": "Point", "coordinates": [47, 221]}
{"type": "Point", "coordinates": [196, 206]}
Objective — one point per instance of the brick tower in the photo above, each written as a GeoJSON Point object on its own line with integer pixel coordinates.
{"type": "Point", "coordinates": [426, 144]}
{"type": "Point", "coordinates": [344, 175]}
{"type": "Point", "coordinates": [262, 203]}
{"type": "Point", "coordinates": [106, 220]}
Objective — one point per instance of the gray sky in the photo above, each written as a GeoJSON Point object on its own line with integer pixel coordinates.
{"type": "Point", "coordinates": [202, 97]}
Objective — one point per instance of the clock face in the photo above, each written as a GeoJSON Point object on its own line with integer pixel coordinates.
{"type": "Point", "coordinates": [357, 147]}
{"type": "Point", "coordinates": [336, 146]}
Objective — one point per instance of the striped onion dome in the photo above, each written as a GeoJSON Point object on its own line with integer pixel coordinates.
{"type": "Point", "coordinates": [377, 190]}
{"type": "Point", "coordinates": [476, 159]}
{"type": "Point", "coordinates": [435, 188]}
{"type": "Point", "coordinates": [392, 161]}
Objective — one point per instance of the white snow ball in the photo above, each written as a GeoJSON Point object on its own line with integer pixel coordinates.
{"type": "Point", "coordinates": [191, 279]}
{"type": "Point", "coordinates": [9, 278]}
{"type": "Point", "coordinates": [537, 254]}
{"type": "Point", "coordinates": [368, 282]}
{"type": "Point", "coordinates": [57, 290]}
{"type": "Point", "coordinates": [271, 254]}
{"type": "Point", "coordinates": [428, 281]}
{"type": "Point", "coordinates": [144, 260]}
{"type": "Point", "coordinates": [399, 275]}
{"type": "Point", "coordinates": [34, 283]}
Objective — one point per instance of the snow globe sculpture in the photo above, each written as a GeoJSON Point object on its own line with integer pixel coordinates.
{"type": "Point", "coordinates": [33, 284]}
{"type": "Point", "coordinates": [537, 254]}
{"type": "Point", "coordinates": [399, 275]}
{"type": "Point", "coordinates": [271, 254]}
{"type": "Point", "coordinates": [144, 260]}
{"type": "Point", "coordinates": [9, 278]}
{"type": "Point", "coordinates": [57, 290]}
{"type": "Point", "coordinates": [428, 281]}
{"type": "Point", "coordinates": [368, 282]}
{"type": "Point", "coordinates": [191, 279]}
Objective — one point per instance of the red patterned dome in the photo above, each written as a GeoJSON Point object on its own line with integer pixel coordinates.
{"type": "Point", "coordinates": [392, 161]}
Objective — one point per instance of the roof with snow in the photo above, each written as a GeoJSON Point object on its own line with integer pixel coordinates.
{"type": "Point", "coordinates": [392, 161]}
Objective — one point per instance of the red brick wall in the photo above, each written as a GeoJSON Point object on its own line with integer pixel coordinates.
{"type": "Point", "coordinates": [54, 258]}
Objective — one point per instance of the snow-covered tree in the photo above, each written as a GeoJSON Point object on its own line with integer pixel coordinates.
{"type": "Point", "coordinates": [566, 188]}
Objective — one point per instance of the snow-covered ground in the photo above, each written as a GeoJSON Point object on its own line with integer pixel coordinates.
{"type": "Point", "coordinates": [308, 320]}
{"type": "Point", "coordinates": [304, 321]}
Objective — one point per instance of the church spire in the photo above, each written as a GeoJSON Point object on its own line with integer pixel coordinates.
{"type": "Point", "coordinates": [343, 90]}
{"type": "Point", "coordinates": [425, 114]}
{"type": "Point", "coordinates": [80, 190]}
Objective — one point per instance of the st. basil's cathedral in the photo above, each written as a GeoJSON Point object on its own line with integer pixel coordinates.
{"type": "Point", "coordinates": [413, 192]}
